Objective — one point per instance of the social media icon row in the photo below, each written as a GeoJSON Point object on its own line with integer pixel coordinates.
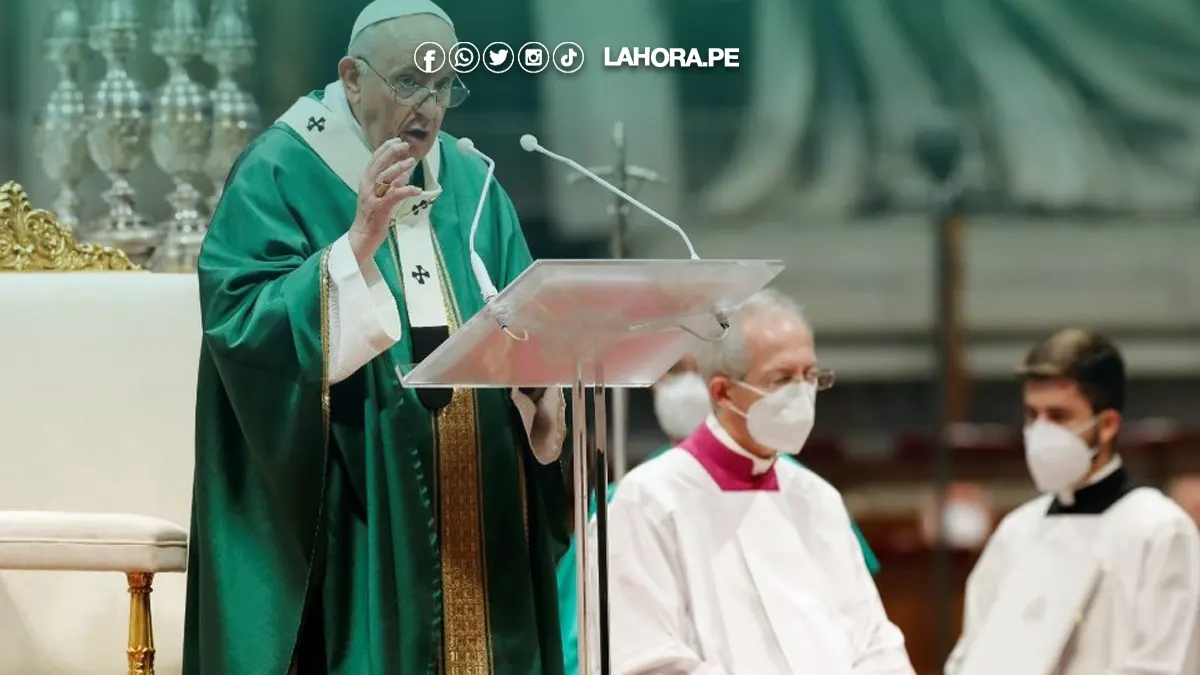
{"type": "Point", "coordinates": [498, 57]}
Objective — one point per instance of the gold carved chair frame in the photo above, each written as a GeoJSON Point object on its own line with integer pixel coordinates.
{"type": "Point", "coordinates": [32, 240]}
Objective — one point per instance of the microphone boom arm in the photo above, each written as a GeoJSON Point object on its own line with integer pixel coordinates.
{"type": "Point", "coordinates": [530, 144]}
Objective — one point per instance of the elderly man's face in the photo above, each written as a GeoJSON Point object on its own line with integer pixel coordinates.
{"type": "Point", "coordinates": [781, 351]}
{"type": "Point", "coordinates": [389, 93]}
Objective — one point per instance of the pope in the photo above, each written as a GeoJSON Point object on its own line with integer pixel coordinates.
{"type": "Point", "coordinates": [341, 523]}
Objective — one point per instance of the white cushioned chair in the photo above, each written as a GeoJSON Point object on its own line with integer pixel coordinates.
{"type": "Point", "coordinates": [97, 391]}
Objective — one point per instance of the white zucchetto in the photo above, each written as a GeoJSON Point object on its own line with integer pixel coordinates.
{"type": "Point", "coordinates": [384, 10]}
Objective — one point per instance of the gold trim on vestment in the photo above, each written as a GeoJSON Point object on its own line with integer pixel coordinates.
{"type": "Point", "coordinates": [466, 634]}
{"type": "Point", "coordinates": [32, 240]}
{"type": "Point", "coordinates": [464, 588]}
{"type": "Point", "coordinates": [323, 283]}
{"type": "Point", "coordinates": [325, 340]}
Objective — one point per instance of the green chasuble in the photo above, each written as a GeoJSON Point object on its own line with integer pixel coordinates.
{"type": "Point", "coordinates": [568, 609]}
{"type": "Point", "coordinates": [347, 529]}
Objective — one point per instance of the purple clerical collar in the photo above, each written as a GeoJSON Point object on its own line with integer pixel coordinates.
{"type": "Point", "coordinates": [733, 469]}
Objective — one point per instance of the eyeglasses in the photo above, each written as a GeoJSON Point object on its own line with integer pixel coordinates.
{"type": "Point", "coordinates": [410, 92]}
{"type": "Point", "coordinates": [821, 378]}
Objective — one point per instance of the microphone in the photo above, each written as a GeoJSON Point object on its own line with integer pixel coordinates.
{"type": "Point", "coordinates": [467, 146]}
{"type": "Point", "coordinates": [529, 143]}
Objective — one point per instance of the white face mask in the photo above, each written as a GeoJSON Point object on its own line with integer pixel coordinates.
{"type": "Point", "coordinates": [782, 419]}
{"type": "Point", "coordinates": [681, 404]}
{"type": "Point", "coordinates": [1058, 458]}
{"type": "Point", "coordinates": [965, 525]}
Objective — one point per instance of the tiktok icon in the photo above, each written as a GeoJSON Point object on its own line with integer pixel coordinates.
{"type": "Point", "coordinates": [568, 57]}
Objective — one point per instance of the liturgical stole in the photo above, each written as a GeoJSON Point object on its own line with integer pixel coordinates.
{"type": "Point", "coordinates": [334, 141]}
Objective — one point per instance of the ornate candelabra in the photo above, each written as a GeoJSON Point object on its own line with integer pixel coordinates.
{"type": "Point", "coordinates": [61, 132]}
{"type": "Point", "coordinates": [179, 135]}
{"type": "Point", "coordinates": [117, 135]}
{"type": "Point", "coordinates": [236, 117]}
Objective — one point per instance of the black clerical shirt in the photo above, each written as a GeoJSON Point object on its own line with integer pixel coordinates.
{"type": "Point", "coordinates": [1095, 499]}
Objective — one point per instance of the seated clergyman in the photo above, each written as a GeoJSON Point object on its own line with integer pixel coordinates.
{"type": "Point", "coordinates": [682, 404]}
{"type": "Point", "coordinates": [725, 561]}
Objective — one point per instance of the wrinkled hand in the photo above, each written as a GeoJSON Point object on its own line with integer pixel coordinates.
{"type": "Point", "coordinates": [390, 166]}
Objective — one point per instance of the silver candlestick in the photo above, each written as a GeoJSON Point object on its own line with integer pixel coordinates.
{"type": "Point", "coordinates": [179, 135]}
{"type": "Point", "coordinates": [119, 112]}
{"type": "Point", "coordinates": [61, 133]}
{"type": "Point", "coordinates": [236, 117]}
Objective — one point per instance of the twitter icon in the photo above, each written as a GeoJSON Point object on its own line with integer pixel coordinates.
{"type": "Point", "coordinates": [498, 57]}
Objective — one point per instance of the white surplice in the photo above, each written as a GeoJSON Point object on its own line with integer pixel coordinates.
{"type": "Point", "coordinates": [709, 580]}
{"type": "Point", "coordinates": [364, 317]}
{"type": "Point", "coordinates": [1144, 615]}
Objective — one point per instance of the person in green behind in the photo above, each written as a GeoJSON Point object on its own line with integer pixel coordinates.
{"type": "Point", "coordinates": [341, 523]}
{"type": "Point", "coordinates": [681, 404]}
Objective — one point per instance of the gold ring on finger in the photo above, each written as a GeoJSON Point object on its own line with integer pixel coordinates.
{"type": "Point", "coordinates": [381, 189]}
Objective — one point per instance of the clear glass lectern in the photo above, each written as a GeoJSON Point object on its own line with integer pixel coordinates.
{"type": "Point", "coordinates": [593, 324]}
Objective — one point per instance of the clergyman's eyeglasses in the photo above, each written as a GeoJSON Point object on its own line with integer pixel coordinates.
{"type": "Point", "coordinates": [410, 92]}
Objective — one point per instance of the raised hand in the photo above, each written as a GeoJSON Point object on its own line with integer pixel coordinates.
{"type": "Point", "coordinates": [384, 185]}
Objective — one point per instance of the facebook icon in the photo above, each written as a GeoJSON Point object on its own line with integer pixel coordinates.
{"type": "Point", "coordinates": [429, 57]}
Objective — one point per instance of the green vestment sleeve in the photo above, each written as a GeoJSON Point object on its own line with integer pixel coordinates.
{"type": "Point", "coordinates": [262, 417]}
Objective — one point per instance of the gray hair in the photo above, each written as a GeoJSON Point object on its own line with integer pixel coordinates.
{"type": "Point", "coordinates": [729, 356]}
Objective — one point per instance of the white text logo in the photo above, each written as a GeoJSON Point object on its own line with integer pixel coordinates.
{"type": "Point", "coordinates": [673, 57]}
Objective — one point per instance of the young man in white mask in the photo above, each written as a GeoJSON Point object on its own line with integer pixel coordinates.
{"type": "Point", "coordinates": [1138, 610]}
{"type": "Point", "coordinates": [723, 560]}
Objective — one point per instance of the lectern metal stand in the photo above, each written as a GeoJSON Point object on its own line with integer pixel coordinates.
{"type": "Point", "coordinates": [593, 324]}
{"type": "Point", "coordinates": [623, 176]}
